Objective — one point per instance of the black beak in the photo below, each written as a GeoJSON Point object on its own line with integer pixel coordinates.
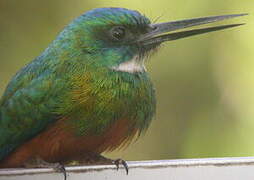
{"type": "Point", "coordinates": [157, 33]}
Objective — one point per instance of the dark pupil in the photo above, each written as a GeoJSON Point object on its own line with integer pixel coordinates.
{"type": "Point", "coordinates": [118, 33]}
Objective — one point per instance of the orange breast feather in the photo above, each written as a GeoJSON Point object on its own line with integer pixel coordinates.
{"type": "Point", "coordinates": [57, 144]}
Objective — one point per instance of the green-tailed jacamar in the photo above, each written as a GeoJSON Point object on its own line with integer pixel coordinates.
{"type": "Point", "coordinates": [89, 91]}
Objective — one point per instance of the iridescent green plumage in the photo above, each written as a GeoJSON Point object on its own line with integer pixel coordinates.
{"type": "Point", "coordinates": [73, 78]}
{"type": "Point", "coordinates": [87, 88]}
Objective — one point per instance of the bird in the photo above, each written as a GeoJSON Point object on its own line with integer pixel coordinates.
{"type": "Point", "coordinates": [89, 91]}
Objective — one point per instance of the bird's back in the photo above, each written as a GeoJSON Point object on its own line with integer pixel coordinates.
{"type": "Point", "coordinates": [25, 107]}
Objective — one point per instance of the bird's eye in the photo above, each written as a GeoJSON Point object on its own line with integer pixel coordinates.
{"type": "Point", "coordinates": [118, 33]}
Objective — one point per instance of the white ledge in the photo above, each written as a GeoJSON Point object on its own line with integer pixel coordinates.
{"type": "Point", "coordinates": [211, 168]}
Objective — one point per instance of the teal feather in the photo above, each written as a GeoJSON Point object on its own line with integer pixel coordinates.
{"type": "Point", "coordinates": [73, 78]}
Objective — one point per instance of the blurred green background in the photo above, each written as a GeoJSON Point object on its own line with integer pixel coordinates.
{"type": "Point", "coordinates": [205, 84]}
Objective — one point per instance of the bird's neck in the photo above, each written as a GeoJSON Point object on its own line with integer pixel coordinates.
{"type": "Point", "coordinates": [133, 65]}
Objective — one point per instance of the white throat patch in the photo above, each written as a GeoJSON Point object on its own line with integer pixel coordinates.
{"type": "Point", "coordinates": [131, 66]}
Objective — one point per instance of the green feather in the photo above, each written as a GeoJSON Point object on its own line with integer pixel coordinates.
{"type": "Point", "coordinates": [73, 78]}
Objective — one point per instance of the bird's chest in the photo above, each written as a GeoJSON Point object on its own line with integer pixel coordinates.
{"type": "Point", "coordinates": [105, 101]}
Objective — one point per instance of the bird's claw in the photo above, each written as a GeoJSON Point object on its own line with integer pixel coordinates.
{"type": "Point", "coordinates": [40, 163]}
{"type": "Point", "coordinates": [117, 162]}
{"type": "Point", "coordinates": [60, 168]}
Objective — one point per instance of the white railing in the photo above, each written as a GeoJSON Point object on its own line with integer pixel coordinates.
{"type": "Point", "coordinates": [182, 169]}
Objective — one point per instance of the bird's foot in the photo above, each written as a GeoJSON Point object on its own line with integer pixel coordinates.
{"type": "Point", "coordinates": [117, 162]}
{"type": "Point", "coordinates": [97, 159]}
{"type": "Point", "coordinates": [39, 163]}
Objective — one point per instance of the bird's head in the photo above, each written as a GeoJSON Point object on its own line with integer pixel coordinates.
{"type": "Point", "coordinates": [120, 39]}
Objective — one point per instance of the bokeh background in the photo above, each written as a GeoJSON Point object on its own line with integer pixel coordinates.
{"type": "Point", "coordinates": [205, 84]}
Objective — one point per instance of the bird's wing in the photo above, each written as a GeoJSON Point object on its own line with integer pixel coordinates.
{"type": "Point", "coordinates": [28, 105]}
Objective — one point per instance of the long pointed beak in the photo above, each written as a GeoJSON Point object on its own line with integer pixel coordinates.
{"type": "Point", "coordinates": [157, 34]}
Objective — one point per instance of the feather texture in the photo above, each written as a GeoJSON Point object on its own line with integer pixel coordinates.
{"type": "Point", "coordinates": [70, 98]}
